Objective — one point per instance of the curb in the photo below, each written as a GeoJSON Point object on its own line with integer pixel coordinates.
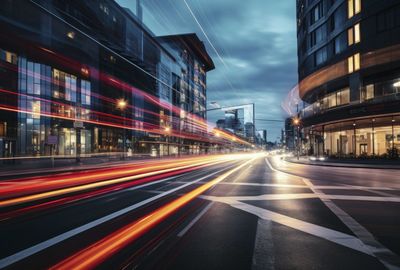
{"type": "Point", "coordinates": [344, 165]}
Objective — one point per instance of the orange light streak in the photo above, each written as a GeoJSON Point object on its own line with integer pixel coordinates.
{"type": "Point", "coordinates": [83, 187]}
{"type": "Point", "coordinates": [101, 250]}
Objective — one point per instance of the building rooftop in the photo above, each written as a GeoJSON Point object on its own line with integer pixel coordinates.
{"type": "Point", "coordinates": [192, 41]}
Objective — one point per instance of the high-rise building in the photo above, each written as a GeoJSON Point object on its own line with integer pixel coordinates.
{"type": "Point", "coordinates": [82, 77]}
{"type": "Point", "coordinates": [349, 74]}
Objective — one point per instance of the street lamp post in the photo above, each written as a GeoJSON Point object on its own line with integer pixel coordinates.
{"type": "Point", "coordinates": [296, 123]}
{"type": "Point", "coordinates": [121, 104]}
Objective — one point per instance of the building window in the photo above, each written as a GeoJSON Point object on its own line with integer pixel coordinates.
{"type": "Point", "coordinates": [317, 13]}
{"type": "Point", "coordinates": [343, 97]}
{"type": "Point", "coordinates": [357, 34]}
{"type": "Point", "coordinates": [354, 63]}
{"type": "Point", "coordinates": [321, 56]}
{"type": "Point", "coordinates": [350, 36]}
{"type": "Point", "coordinates": [367, 92]}
{"type": "Point", "coordinates": [350, 62]}
{"type": "Point", "coordinates": [354, 34]}
{"type": "Point", "coordinates": [85, 92]}
{"type": "Point", "coordinates": [340, 43]}
{"type": "Point", "coordinates": [36, 109]}
{"type": "Point", "coordinates": [70, 87]}
{"type": "Point", "coordinates": [357, 61]}
{"type": "Point", "coordinates": [354, 7]}
{"type": "Point", "coordinates": [8, 57]}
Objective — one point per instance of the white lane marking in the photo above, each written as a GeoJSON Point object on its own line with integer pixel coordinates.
{"type": "Point", "coordinates": [64, 236]}
{"type": "Point", "coordinates": [266, 197]}
{"type": "Point", "coordinates": [383, 254]}
{"type": "Point", "coordinates": [263, 256]}
{"type": "Point", "coordinates": [313, 229]}
{"type": "Point", "coordinates": [373, 191]}
{"type": "Point", "coordinates": [296, 196]}
{"type": "Point", "coordinates": [270, 166]}
{"type": "Point", "coordinates": [199, 215]}
{"type": "Point", "coordinates": [360, 198]}
{"type": "Point", "coordinates": [347, 187]}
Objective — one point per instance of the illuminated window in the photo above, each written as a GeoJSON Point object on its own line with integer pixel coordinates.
{"type": "Point", "coordinates": [36, 109]}
{"type": "Point", "coordinates": [350, 62]}
{"type": "Point", "coordinates": [350, 36]}
{"type": "Point", "coordinates": [354, 7]}
{"type": "Point", "coordinates": [354, 34]}
{"type": "Point", "coordinates": [350, 8]}
{"type": "Point", "coordinates": [357, 36]}
{"type": "Point", "coordinates": [357, 6]}
{"type": "Point", "coordinates": [368, 92]}
{"type": "Point", "coordinates": [354, 63]}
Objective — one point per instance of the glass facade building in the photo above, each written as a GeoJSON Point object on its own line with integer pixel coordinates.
{"type": "Point", "coordinates": [84, 77]}
{"type": "Point", "coordinates": [349, 75]}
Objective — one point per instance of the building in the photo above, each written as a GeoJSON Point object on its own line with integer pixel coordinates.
{"type": "Point", "coordinates": [189, 76]}
{"type": "Point", "coordinates": [349, 74]}
{"type": "Point", "coordinates": [83, 77]}
{"type": "Point", "coordinates": [290, 135]}
{"type": "Point", "coordinates": [240, 120]}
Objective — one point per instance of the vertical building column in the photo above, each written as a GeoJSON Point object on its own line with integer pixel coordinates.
{"type": "Point", "coordinates": [373, 137]}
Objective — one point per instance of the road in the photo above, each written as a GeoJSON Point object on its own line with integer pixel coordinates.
{"type": "Point", "coordinates": [246, 212]}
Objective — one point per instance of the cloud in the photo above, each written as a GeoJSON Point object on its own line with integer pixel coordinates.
{"type": "Point", "coordinates": [256, 39]}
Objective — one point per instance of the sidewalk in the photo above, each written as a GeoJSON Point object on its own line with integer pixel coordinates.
{"type": "Point", "coordinates": [350, 163]}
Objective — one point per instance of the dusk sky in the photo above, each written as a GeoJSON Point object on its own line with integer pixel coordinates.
{"type": "Point", "coordinates": [256, 40]}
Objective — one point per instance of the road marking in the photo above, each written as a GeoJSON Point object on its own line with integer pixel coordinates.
{"type": "Point", "coordinates": [190, 225]}
{"type": "Point", "coordinates": [373, 191]}
{"type": "Point", "coordinates": [270, 166]}
{"type": "Point", "coordinates": [331, 235]}
{"type": "Point", "coordinates": [341, 187]}
{"type": "Point", "coordinates": [9, 260]}
{"type": "Point", "coordinates": [266, 197]}
{"type": "Point", "coordinates": [99, 251]}
{"type": "Point", "coordinates": [384, 255]}
{"type": "Point", "coordinates": [296, 196]}
{"type": "Point", "coordinates": [263, 255]}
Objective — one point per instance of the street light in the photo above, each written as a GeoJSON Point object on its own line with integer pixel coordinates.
{"type": "Point", "coordinates": [296, 123]}
{"type": "Point", "coordinates": [121, 104]}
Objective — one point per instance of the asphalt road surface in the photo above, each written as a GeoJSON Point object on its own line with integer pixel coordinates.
{"type": "Point", "coordinates": [253, 213]}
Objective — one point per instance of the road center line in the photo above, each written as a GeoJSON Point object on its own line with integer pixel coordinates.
{"type": "Point", "coordinates": [199, 215]}
{"type": "Point", "coordinates": [9, 260]}
{"type": "Point", "coordinates": [263, 255]}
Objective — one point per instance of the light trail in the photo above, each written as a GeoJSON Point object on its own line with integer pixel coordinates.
{"type": "Point", "coordinates": [9, 188]}
{"type": "Point", "coordinates": [103, 249]}
{"type": "Point", "coordinates": [92, 185]}
{"type": "Point", "coordinates": [98, 192]}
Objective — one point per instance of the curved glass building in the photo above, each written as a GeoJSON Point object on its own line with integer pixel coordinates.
{"type": "Point", "coordinates": [349, 75]}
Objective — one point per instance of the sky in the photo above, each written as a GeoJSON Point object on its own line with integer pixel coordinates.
{"type": "Point", "coordinates": [255, 49]}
